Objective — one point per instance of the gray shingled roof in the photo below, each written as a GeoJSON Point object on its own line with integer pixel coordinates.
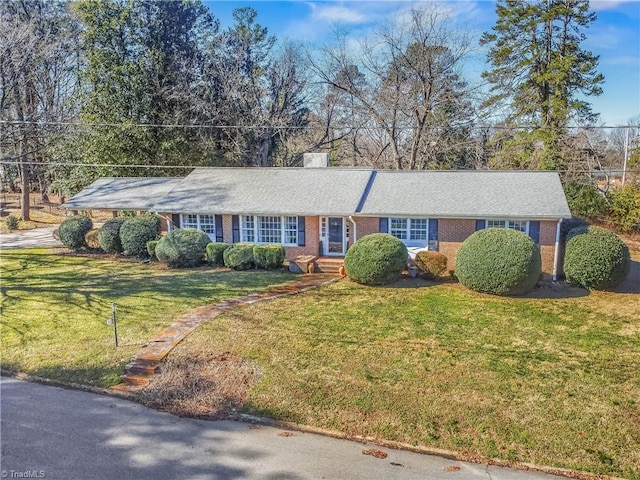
{"type": "Point", "coordinates": [131, 193]}
{"type": "Point", "coordinates": [268, 191]}
{"type": "Point", "coordinates": [470, 194]}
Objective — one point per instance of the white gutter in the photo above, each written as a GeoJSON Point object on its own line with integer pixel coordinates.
{"type": "Point", "coordinates": [355, 229]}
{"type": "Point", "coordinates": [169, 220]}
{"type": "Point", "coordinates": [556, 254]}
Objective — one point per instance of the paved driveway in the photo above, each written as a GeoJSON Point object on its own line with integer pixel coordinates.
{"type": "Point", "coordinates": [68, 434]}
{"type": "Point", "coordinates": [37, 237]}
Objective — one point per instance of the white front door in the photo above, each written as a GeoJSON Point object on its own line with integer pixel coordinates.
{"type": "Point", "coordinates": [332, 234]}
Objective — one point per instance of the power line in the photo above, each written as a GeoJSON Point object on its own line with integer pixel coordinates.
{"type": "Point", "coordinates": [299, 127]}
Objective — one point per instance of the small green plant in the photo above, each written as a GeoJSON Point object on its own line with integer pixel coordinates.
{"type": "Point", "coordinates": [151, 248]}
{"type": "Point", "coordinates": [625, 208]}
{"type": "Point", "coordinates": [215, 252]}
{"type": "Point", "coordinates": [432, 265]}
{"type": "Point", "coordinates": [268, 257]}
{"type": "Point", "coordinates": [72, 232]}
{"type": "Point", "coordinates": [499, 261]}
{"type": "Point", "coordinates": [109, 235]}
{"type": "Point", "coordinates": [595, 258]}
{"type": "Point", "coordinates": [182, 248]}
{"type": "Point", "coordinates": [239, 256]}
{"type": "Point", "coordinates": [376, 259]}
{"type": "Point", "coordinates": [12, 223]}
{"type": "Point", "coordinates": [135, 232]}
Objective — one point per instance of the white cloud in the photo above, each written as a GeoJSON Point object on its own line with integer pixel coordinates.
{"type": "Point", "coordinates": [337, 13]}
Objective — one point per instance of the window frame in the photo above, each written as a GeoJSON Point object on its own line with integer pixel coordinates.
{"type": "Point", "coordinates": [409, 229]}
{"type": "Point", "coordinates": [186, 222]}
{"type": "Point", "coordinates": [250, 229]}
{"type": "Point", "coordinates": [509, 224]}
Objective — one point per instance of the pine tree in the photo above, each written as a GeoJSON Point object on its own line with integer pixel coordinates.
{"type": "Point", "coordinates": [539, 69]}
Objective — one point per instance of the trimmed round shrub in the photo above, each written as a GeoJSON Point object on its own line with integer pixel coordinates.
{"type": "Point", "coordinates": [109, 235]}
{"type": "Point", "coordinates": [215, 252]}
{"type": "Point", "coordinates": [151, 248]}
{"type": "Point", "coordinates": [135, 232]}
{"type": "Point", "coordinates": [499, 261]}
{"type": "Point", "coordinates": [431, 265]}
{"type": "Point", "coordinates": [376, 259]}
{"type": "Point", "coordinates": [595, 258]}
{"type": "Point", "coordinates": [239, 256]}
{"type": "Point", "coordinates": [182, 248]}
{"type": "Point", "coordinates": [268, 257]}
{"type": "Point", "coordinates": [73, 230]}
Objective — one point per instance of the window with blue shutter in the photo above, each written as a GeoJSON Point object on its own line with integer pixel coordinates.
{"type": "Point", "coordinates": [384, 225]}
{"type": "Point", "coordinates": [301, 232]}
{"type": "Point", "coordinates": [480, 224]}
{"type": "Point", "coordinates": [175, 220]}
{"type": "Point", "coordinates": [534, 230]}
{"type": "Point", "coordinates": [235, 228]}
{"type": "Point", "coordinates": [219, 235]}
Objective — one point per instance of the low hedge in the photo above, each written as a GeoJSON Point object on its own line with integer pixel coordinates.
{"type": "Point", "coordinates": [431, 265]}
{"type": "Point", "coordinates": [72, 232]}
{"type": "Point", "coordinates": [595, 258]}
{"type": "Point", "coordinates": [109, 235]}
{"type": "Point", "coordinates": [135, 232]}
{"type": "Point", "coordinates": [215, 252]}
{"type": "Point", "coordinates": [182, 248]}
{"type": "Point", "coordinates": [239, 256]}
{"type": "Point", "coordinates": [499, 261]}
{"type": "Point", "coordinates": [269, 257]}
{"type": "Point", "coordinates": [376, 259]}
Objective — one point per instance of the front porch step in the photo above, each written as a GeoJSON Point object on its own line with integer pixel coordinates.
{"type": "Point", "coordinates": [328, 265]}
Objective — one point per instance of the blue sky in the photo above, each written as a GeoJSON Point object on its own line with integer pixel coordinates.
{"type": "Point", "coordinates": [615, 36]}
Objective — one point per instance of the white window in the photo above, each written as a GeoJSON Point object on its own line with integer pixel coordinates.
{"type": "Point", "coordinates": [412, 231]}
{"type": "Point", "coordinates": [269, 229]}
{"type": "Point", "coordinates": [520, 225]}
{"type": "Point", "coordinates": [248, 233]}
{"type": "Point", "coordinates": [206, 223]}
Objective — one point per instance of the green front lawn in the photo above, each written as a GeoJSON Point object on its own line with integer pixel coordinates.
{"type": "Point", "coordinates": [552, 381]}
{"type": "Point", "coordinates": [54, 309]}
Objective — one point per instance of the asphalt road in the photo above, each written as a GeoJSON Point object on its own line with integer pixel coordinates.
{"type": "Point", "coordinates": [53, 433]}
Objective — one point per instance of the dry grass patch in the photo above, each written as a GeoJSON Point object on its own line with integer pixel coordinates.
{"type": "Point", "coordinates": [203, 384]}
{"type": "Point", "coordinates": [551, 381]}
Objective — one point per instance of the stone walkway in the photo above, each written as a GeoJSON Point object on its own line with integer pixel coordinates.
{"type": "Point", "coordinates": [146, 362]}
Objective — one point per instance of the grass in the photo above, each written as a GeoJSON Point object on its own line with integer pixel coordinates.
{"type": "Point", "coordinates": [552, 381]}
{"type": "Point", "coordinates": [54, 309]}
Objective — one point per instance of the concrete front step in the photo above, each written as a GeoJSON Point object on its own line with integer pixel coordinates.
{"type": "Point", "coordinates": [328, 265]}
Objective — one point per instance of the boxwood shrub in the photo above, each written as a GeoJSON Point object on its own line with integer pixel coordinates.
{"type": "Point", "coordinates": [151, 248]}
{"type": "Point", "coordinates": [239, 256]}
{"type": "Point", "coordinates": [72, 232]}
{"type": "Point", "coordinates": [431, 265]}
{"type": "Point", "coordinates": [268, 257]}
{"type": "Point", "coordinates": [215, 252]}
{"type": "Point", "coordinates": [595, 258]}
{"type": "Point", "coordinates": [109, 235]}
{"type": "Point", "coordinates": [376, 259]}
{"type": "Point", "coordinates": [135, 232]}
{"type": "Point", "coordinates": [182, 248]}
{"type": "Point", "coordinates": [499, 261]}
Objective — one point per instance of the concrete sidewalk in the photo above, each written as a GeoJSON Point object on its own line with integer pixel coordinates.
{"type": "Point", "coordinates": [34, 238]}
{"type": "Point", "coordinates": [73, 435]}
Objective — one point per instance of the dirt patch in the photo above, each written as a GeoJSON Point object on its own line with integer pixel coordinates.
{"type": "Point", "coordinates": [203, 385]}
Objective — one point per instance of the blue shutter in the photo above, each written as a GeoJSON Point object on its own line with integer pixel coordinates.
{"type": "Point", "coordinates": [433, 229]}
{"type": "Point", "coordinates": [219, 234]}
{"type": "Point", "coordinates": [175, 219]}
{"type": "Point", "coordinates": [534, 231]}
{"type": "Point", "coordinates": [301, 232]}
{"type": "Point", "coordinates": [384, 225]}
{"type": "Point", "coordinates": [235, 227]}
{"type": "Point", "coordinates": [481, 224]}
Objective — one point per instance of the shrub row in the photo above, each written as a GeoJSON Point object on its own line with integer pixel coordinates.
{"type": "Point", "coordinates": [243, 256]}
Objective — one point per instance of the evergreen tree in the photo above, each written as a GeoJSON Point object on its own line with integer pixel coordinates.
{"type": "Point", "coordinates": [539, 70]}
